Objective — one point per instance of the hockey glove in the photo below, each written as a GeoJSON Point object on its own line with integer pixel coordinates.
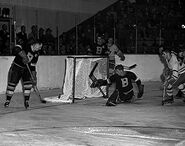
{"type": "Point", "coordinates": [169, 82]}
{"type": "Point", "coordinates": [99, 83]}
{"type": "Point", "coordinates": [122, 58]}
{"type": "Point", "coordinates": [167, 72]}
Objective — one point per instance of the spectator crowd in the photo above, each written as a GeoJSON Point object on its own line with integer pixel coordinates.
{"type": "Point", "coordinates": [136, 28]}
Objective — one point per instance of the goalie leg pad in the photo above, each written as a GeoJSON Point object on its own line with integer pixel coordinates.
{"type": "Point", "coordinates": [141, 91]}
{"type": "Point", "coordinates": [113, 97]}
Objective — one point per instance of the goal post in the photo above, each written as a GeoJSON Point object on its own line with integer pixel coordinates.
{"type": "Point", "coordinates": [81, 68]}
{"type": "Point", "coordinates": [77, 83]}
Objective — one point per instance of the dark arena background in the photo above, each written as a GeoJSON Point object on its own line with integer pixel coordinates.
{"type": "Point", "coordinates": [74, 113]}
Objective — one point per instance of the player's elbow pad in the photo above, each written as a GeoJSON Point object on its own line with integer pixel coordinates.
{"type": "Point", "coordinates": [16, 50]}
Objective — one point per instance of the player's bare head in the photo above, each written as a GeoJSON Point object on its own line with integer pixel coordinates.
{"type": "Point", "coordinates": [161, 48]}
{"type": "Point", "coordinates": [100, 39]}
{"type": "Point", "coordinates": [36, 45]}
{"type": "Point", "coordinates": [181, 52]}
{"type": "Point", "coordinates": [110, 40]}
{"type": "Point", "coordinates": [166, 53]}
{"type": "Point", "coordinates": [19, 41]}
{"type": "Point", "coordinates": [119, 69]}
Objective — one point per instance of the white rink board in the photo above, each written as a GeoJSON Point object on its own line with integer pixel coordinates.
{"type": "Point", "coordinates": [149, 67]}
{"type": "Point", "coordinates": [51, 69]}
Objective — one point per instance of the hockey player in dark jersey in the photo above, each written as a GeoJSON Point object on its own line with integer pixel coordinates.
{"type": "Point", "coordinates": [99, 48]}
{"type": "Point", "coordinates": [122, 81]}
{"type": "Point", "coordinates": [18, 71]}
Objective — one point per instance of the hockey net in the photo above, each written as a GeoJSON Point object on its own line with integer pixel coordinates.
{"type": "Point", "coordinates": [80, 87]}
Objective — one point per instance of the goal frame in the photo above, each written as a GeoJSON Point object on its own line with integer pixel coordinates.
{"type": "Point", "coordinates": [75, 57]}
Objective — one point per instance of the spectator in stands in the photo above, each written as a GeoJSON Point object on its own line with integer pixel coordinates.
{"type": "Point", "coordinates": [23, 36]}
{"type": "Point", "coordinates": [41, 35]}
{"type": "Point", "coordinates": [50, 42]}
{"type": "Point", "coordinates": [1, 43]}
{"type": "Point", "coordinates": [5, 37]}
{"type": "Point", "coordinates": [42, 39]}
{"type": "Point", "coordinates": [33, 35]}
{"type": "Point", "coordinates": [63, 43]}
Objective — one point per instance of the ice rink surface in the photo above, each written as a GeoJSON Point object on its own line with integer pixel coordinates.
{"type": "Point", "coordinates": [89, 122]}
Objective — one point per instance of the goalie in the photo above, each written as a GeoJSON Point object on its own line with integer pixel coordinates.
{"type": "Point", "coordinates": [123, 91]}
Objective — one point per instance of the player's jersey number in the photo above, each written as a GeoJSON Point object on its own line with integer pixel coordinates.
{"type": "Point", "coordinates": [124, 82]}
{"type": "Point", "coordinates": [30, 56]}
{"type": "Point", "coordinates": [98, 50]}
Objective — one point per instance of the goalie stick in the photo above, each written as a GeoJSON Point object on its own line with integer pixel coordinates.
{"type": "Point", "coordinates": [128, 67]}
{"type": "Point", "coordinates": [94, 79]}
{"type": "Point", "coordinates": [34, 86]}
{"type": "Point", "coordinates": [132, 66]}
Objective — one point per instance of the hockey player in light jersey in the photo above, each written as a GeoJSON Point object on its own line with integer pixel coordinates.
{"type": "Point", "coordinates": [112, 51]}
{"type": "Point", "coordinates": [175, 70]}
{"type": "Point", "coordinates": [18, 70]}
{"type": "Point", "coordinates": [181, 78]}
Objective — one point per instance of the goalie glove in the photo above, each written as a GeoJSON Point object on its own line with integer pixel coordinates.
{"type": "Point", "coordinates": [99, 83]}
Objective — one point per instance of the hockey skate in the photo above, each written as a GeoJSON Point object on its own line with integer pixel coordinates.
{"type": "Point", "coordinates": [169, 99]}
{"type": "Point", "coordinates": [183, 98]}
{"type": "Point", "coordinates": [110, 103]}
{"type": "Point", "coordinates": [6, 104]}
{"type": "Point", "coordinates": [26, 104]}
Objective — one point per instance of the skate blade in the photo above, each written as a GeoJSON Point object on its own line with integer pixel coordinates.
{"type": "Point", "coordinates": [167, 102]}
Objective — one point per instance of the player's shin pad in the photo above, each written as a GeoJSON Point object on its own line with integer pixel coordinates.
{"type": "Point", "coordinates": [167, 86]}
{"type": "Point", "coordinates": [35, 87]}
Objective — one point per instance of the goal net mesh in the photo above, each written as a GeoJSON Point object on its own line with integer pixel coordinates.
{"type": "Point", "coordinates": [81, 85]}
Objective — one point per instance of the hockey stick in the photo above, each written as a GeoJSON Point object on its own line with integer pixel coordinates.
{"type": "Point", "coordinates": [126, 67]}
{"type": "Point", "coordinates": [130, 67]}
{"type": "Point", "coordinates": [94, 79]}
{"type": "Point", "coordinates": [164, 93]}
{"type": "Point", "coordinates": [34, 86]}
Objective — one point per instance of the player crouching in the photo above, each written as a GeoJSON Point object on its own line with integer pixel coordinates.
{"type": "Point", "coordinates": [123, 91]}
{"type": "Point", "coordinates": [176, 78]}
